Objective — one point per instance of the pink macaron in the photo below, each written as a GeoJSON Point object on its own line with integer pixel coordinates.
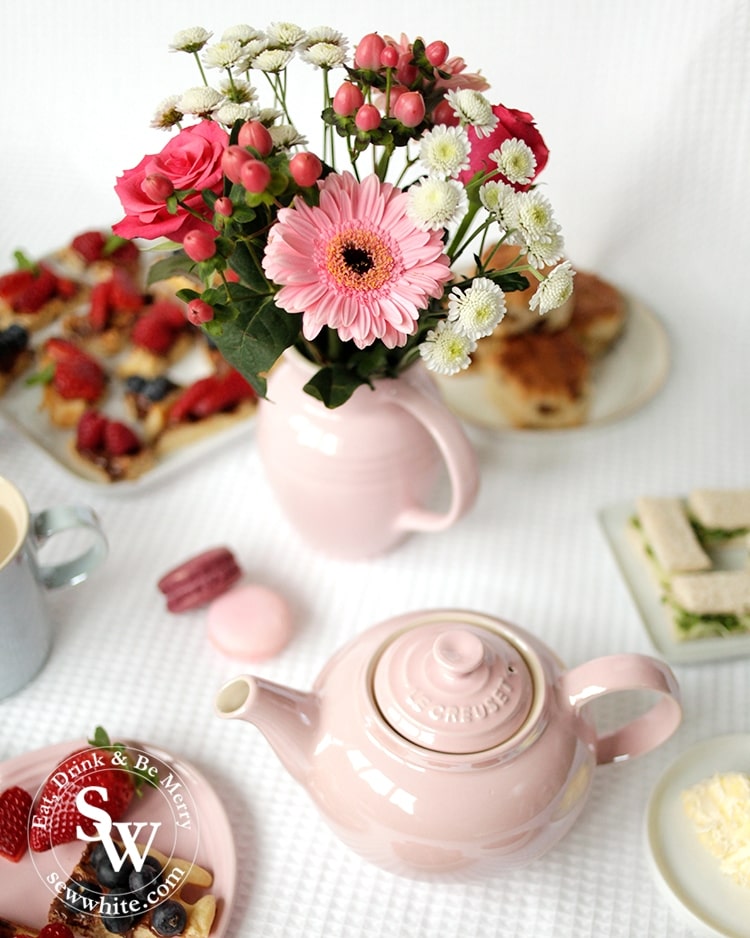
{"type": "Point", "coordinates": [250, 622]}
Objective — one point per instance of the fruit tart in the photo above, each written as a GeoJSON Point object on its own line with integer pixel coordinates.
{"type": "Point", "coordinates": [104, 326]}
{"type": "Point", "coordinates": [33, 295]}
{"type": "Point", "coordinates": [136, 902]}
{"type": "Point", "coordinates": [98, 253]}
{"type": "Point", "coordinates": [160, 337]}
{"type": "Point", "coordinates": [208, 405]}
{"type": "Point", "coordinates": [107, 450]}
{"type": "Point", "coordinates": [73, 380]}
{"type": "Point", "coordinates": [148, 401]}
{"type": "Point", "coordinates": [16, 355]}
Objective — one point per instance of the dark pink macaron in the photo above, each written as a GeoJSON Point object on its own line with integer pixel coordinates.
{"type": "Point", "coordinates": [199, 580]}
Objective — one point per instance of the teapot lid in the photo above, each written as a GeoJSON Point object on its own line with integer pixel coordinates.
{"type": "Point", "coordinates": [453, 687]}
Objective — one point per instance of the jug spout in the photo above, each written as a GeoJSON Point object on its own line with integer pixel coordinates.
{"type": "Point", "coordinates": [287, 718]}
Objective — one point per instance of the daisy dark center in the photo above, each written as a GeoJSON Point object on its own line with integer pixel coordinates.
{"type": "Point", "coordinates": [359, 259]}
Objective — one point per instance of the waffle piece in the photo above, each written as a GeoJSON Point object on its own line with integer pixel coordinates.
{"type": "Point", "coordinates": [34, 296]}
{"type": "Point", "coordinates": [598, 314]}
{"type": "Point", "coordinates": [106, 450]}
{"type": "Point", "coordinates": [88, 924]}
{"type": "Point", "coordinates": [104, 326]}
{"type": "Point", "coordinates": [539, 379]}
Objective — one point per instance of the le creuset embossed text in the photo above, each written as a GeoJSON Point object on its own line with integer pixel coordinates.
{"type": "Point", "coordinates": [444, 740]}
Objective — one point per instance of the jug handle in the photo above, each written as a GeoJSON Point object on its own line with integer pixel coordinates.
{"type": "Point", "coordinates": [627, 672]}
{"type": "Point", "coordinates": [457, 451]}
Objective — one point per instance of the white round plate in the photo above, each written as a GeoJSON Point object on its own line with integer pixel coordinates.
{"type": "Point", "coordinates": [685, 867]}
{"type": "Point", "coordinates": [628, 376]}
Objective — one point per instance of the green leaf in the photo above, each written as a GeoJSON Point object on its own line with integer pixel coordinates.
{"type": "Point", "coordinates": [171, 266]}
{"type": "Point", "coordinates": [247, 264]}
{"type": "Point", "coordinates": [334, 385]}
{"type": "Point", "coordinates": [259, 335]}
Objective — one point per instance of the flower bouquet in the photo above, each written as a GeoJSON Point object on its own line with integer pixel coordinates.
{"type": "Point", "coordinates": [363, 269]}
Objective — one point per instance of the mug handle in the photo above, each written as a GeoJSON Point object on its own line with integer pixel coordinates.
{"type": "Point", "coordinates": [458, 454]}
{"type": "Point", "coordinates": [627, 672]}
{"type": "Point", "coordinates": [50, 521]}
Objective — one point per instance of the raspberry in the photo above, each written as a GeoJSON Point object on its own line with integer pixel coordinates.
{"type": "Point", "coordinates": [89, 245]}
{"type": "Point", "coordinates": [119, 439]}
{"type": "Point", "coordinates": [90, 431]}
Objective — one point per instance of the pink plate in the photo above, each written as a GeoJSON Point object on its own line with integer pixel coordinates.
{"type": "Point", "coordinates": [24, 895]}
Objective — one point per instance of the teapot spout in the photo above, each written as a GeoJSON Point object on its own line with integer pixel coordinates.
{"type": "Point", "coordinates": [287, 718]}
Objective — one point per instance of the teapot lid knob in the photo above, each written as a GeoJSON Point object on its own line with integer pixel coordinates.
{"type": "Point", "coordinates": [453, 687]}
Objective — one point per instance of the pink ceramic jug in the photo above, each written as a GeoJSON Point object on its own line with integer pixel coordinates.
{"type": "Point", "coordinates": [357, 479]}
{"type": "Point", "coordinates": [445, 740]}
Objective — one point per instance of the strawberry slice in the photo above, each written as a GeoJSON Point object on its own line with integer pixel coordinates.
{"type": "Point", "coordinates": [35, 294]}
{"type": "Point", "coordinates": [90, 431]}
{"type": "Point", "coordinates": [55, 817]}
{"type": "Point", "coordinates": [183, 407]}
{"type": "Point", "coordinates": [58, 349]}
{"type": "Point", "coordinates": [119, 439]}
{"type": "Point", "coordinates": [81, 378]}
{"type": "Point", "coordinates": [89, 245]}
{"type": "Point", "coordinates": [124, 292]}
{"type": "Point", "coordinates": [15, 808]}
{"type": "Point", "coordinates": [100, 307]}
{"type": "Point", "coordinates": [229, 390]}
{"type": "Point", "coordinates": [14, 282]}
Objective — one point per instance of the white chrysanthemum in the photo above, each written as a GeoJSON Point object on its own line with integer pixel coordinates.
{"type": "Point", "coordinates": [475, 312]}
{"type": "Point", "coordinates": [238, 91]}
{"type": "Point", "coordinates": [230, 112]}
{"type": "Point", "coordinates": [326, 34]}
{"type": "Point", "coordinates": [437, 203]}
{"type": "Point", "coordinates": [268, 116]}
{"type": "Point", "coordinates": [168, 113]}
{"type": "Point", "coordinates": [272, 60]}
{"type": "Point", "coordinates": [225, 54]}
{"type": "Point", "coordinates": [242, 33]}
{"type": "Point", "coordinates": [285, 35]}
{"type": "Point", "coordinates": [501, 201]}
{"type": "Point", "coordinates": [473, 108]}
{"type": "Point", "coordinates": [285, 136]}
{"type": "Point", "coordinates": [445, 351]}
{"type": "Point", "coordinates": [251, 50]}
{"type": "Point", "coordinates": [516, 161]}
{"type": "Point", "coordinates": [444, 151]}
{"type": "Point", "coordinates": [546, 252]}
{"type": "Point", "coordinates": [324, 55]}
{"type": "Point", "coordinates": [190, 40]}
{"type": "Point", "coordinates": [554, 290]}
{"type": "Point", "coordinates": [535, 216]}
{"type": "Point", "coordinates": [200, 101]}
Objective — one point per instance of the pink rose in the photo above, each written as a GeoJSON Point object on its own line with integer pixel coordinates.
{"type": "Point", "coordinates": [191, 160]}
{"type": "Point", "coordinates": [510, 124]}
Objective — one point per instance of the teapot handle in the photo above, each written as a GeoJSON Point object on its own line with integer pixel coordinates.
{"type": "Point", "coordinates": [458, 454]}
{"type": "Point", "coordinates": [627, 672]}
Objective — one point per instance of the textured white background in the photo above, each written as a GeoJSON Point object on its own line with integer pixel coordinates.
{"type": "Point", "coordinates": [646, 109]}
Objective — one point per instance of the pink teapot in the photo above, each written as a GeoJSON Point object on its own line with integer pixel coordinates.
{"type": "Point", "coordinates": [447, 739]}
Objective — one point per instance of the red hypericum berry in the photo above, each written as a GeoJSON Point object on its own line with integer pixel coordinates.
{"type": "Point", "coordinates": [157, 187]}
{"type": "Point", "coordinates": [348, 99]}
{"type": "Point", "coordinates": [436, 53]}
{"type": "Point", "coordinates": [406, 73]}
{"type": "Point", "coordinates": [198, 311]}
{"type": "Point", "coordinates": [305, 168]}
{"type": "Point", "coordinates": [15, 808]}
{"type": "Point", "coordinates": [55, 930]}
{"type": "Point", "coordinates": [256, 135]}
{"type": "Point", "coordinates": [443, 113]}
{"type": "Point", "coordinates": [199, 245]}
{"type": "Point", "coordinates": [389, 57]}
{"type": "Point", "coordinates": [224, 206]}
{"type": "Point", "coordinates": [409, 108]}
{"type": "Point", "coordinates": [255, 176]}
{"type": "Point", "coordinates": [368, 118]}
{"type": "Point", "coordinates": [232, 161]}
{"type": "Point", "coordinates": [367, 53]}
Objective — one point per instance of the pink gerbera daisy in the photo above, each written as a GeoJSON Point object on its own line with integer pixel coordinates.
{"type": "Point", "coordinates": [356, 262]}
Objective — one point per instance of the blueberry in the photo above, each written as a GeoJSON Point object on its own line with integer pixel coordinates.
{"type": "Point", "coordinates": [135, 384]}
{"type": "Point", "coordinates": [105, 872]}
{"type": "Point", "coordinates": [169, 918]}
{"type": "Point", "coordinates": [118, 924]}
{"type": "Point", "coordinates": [158, 388]}
{"type": "Point", "coordinates": [120, 911]}
{"type": "Point", "coordinates": [142, 881]}
{"type": "Point", "coordinates": [15, 337]}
